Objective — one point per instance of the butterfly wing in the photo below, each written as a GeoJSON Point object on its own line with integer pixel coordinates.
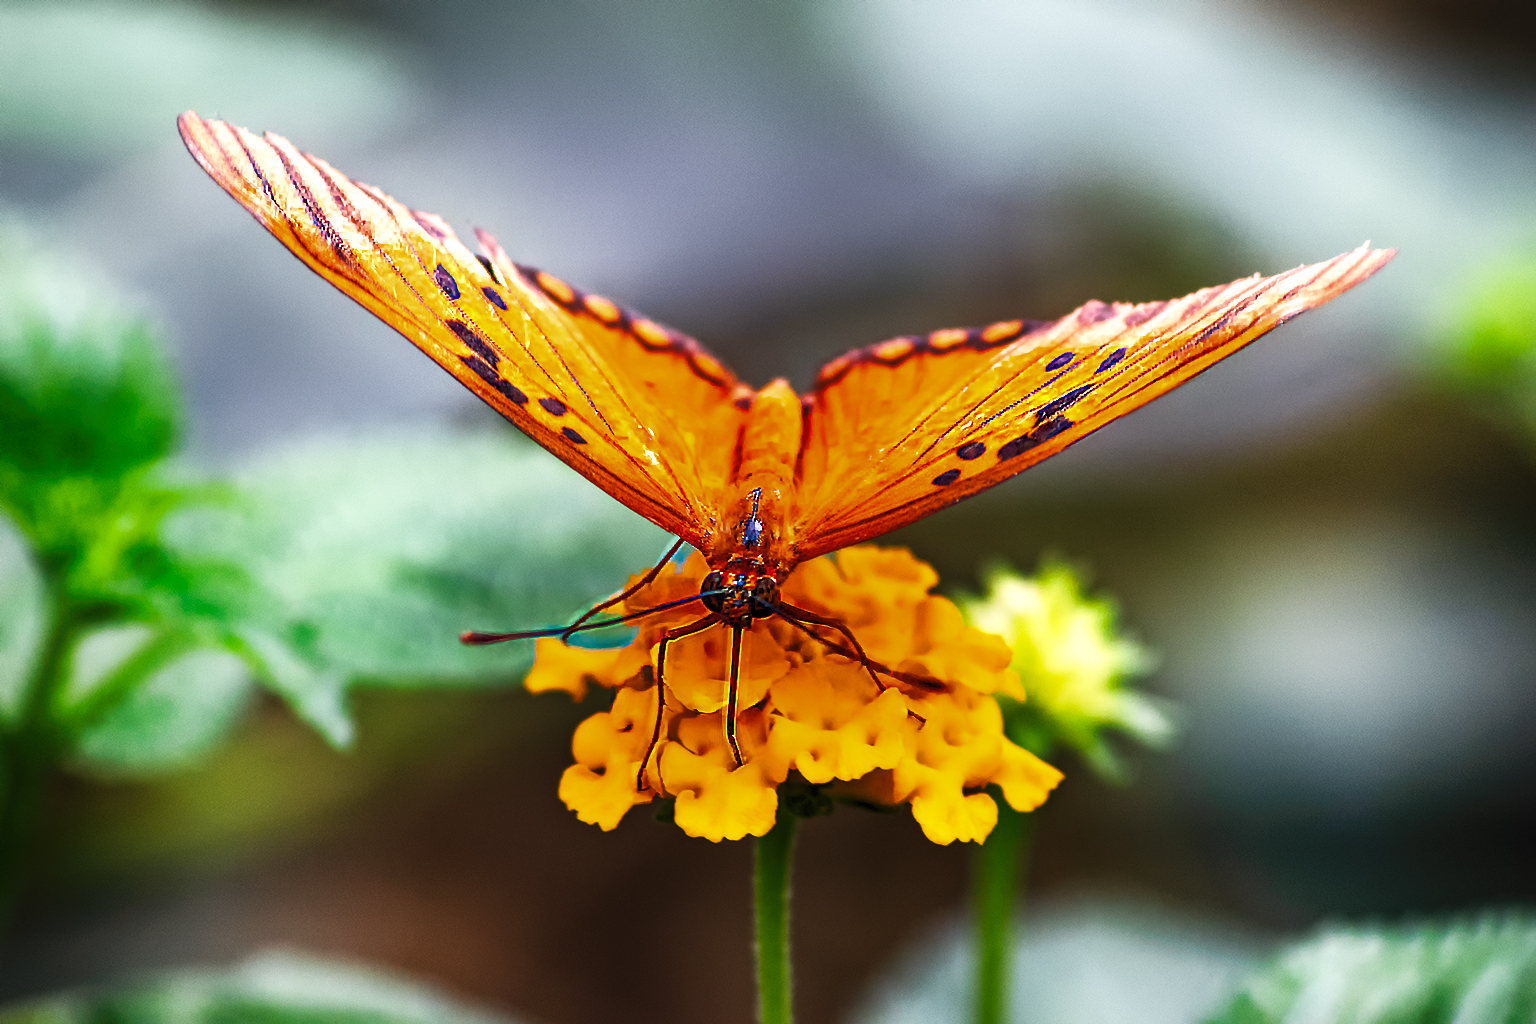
{"type": "Point", "coordinates": [629, 404]}
{"type": "Point", "coordinates": [898, 430]}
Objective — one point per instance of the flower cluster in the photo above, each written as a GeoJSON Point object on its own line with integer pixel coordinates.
{"type": "Point", "coordinates": [932, 737]}
{"type": "Point", "coordinates": [1066, 649]}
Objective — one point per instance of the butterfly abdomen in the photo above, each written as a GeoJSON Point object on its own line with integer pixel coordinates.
{"type": "Point", "coordinates": [770, 437]}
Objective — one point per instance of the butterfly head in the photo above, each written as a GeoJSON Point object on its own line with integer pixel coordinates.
{"type": "Point", "coordinates": [740, 597]}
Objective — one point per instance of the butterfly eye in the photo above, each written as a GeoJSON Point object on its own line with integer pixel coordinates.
{"type": "Point", "coordinates": [765, 597]}
{"type": "Point", "coordinates": [709, 591]}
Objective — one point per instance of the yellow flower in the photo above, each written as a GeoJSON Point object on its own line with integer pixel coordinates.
{"type": "Point", "coordinates": [931, 737]}
{"type": "Point", "coordinates": [1072, 661]}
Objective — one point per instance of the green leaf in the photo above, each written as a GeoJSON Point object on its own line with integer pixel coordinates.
{"type": "Point", "coordinates": [1476, 971]}
{"type": "Point", "coordinates": [374, 555]}
{"type": "Point", "coordinates": [316, 694]}
{"type": "Point", "coordinates": [95, 403]}
{"type": "Point", "coordinates": [1495, 345]}
{"type": "Point", "coordinates": [170, 719]}
{"type": "Point", "coordinates": [270, 988]}
{"type": "Point", "coordinates": [86, 389]}
{"type": "Point", "coordinates": [87, 402]}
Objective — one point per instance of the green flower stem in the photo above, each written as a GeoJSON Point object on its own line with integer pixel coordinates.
{"type": "Point", "coordinates": [29, 749]}
{"type": "Point", "coordinates": [770, 881]}
{"type": "Point", "coordinates": [997, 867]}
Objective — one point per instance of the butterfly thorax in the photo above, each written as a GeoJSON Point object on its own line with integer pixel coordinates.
{"type": "Point", "coordinates": [752, 535]}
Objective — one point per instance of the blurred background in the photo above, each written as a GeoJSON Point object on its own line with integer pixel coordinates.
{"type": "Point", "coordinates": [1328, 539]}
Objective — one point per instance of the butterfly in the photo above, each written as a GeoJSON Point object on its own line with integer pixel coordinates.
{"type": "Point", "coordinates": [758, 480]}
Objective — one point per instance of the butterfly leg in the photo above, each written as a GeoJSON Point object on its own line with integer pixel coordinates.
{"type": "Point", "coordinates": [697, 626]}
{"type": "Point", "coordinates": [655, 571]}
{"type": "Point", "coordinates": [799, 617]}
{"type": "Point", "coordinates": [730, 704]}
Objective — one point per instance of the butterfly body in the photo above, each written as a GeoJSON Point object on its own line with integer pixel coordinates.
{"type": "Point", "coordinates": [754, 531]}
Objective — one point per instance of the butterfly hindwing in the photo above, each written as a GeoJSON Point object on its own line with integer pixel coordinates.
{"type": "Point", "coordinates": [899, 430]}
{"type": "Point", "coordinates": [631, 405]}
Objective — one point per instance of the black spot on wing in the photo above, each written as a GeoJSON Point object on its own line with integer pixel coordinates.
{"type": "Point", "coordinates": [490, 268]}
{"type": "Point", "coordinates": [1060, 361]}
{"type": "Point", "coordinates": [494, 297]}
{"type": "Point", "coordinates": [495, 380]}
{"type": "Point", "coordinates": [971, 450]}
{"type": "Point", "coordinates": [1113, 358]}
{"type": "Point", "coordinates": [1046, 431]}
{"type": "Point", "coordinates": [1056, 405]}
{"type": "Point", "coordinates": [1024, 442]}
{"type": "Point", "coordinates": [473, 341]}
{"type": "Point", "coordinates": [946, 478]}
{"type": "Point", "coordinates": [553, 406]}
{"type": "Point", "coordinates": [572, 436]}
{"type": "Point", "coordinates": [446, 282]}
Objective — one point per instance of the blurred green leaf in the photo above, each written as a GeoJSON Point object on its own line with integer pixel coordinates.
{"type": "Point", "coordinates": [170, 718]}
{"type": "Point", "coordinates": [23, 608]}
{"type": "Point", "coordinates": [271, 988]}
{"type": "Point", "coordinates": [374, 555]}
{"type": "Point", "coordinates": [1478, 971]}
{"type": "Point", "coordinates": [97, 402]}
{"type": "Point", "coordinates": [86, 390]}
{"type": "Point", "coordinates": [87, 402]}
{"type": "Point", "coordinates": [1496, 344]}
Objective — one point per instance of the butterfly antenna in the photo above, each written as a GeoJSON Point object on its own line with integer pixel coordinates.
{"type": "Point", "coordinates": [480, 639]}
{"type": "Point", "coordinates": [655, 571]}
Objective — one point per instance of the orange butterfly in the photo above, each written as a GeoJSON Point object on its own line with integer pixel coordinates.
{"type": "Point", "coordinates": [757, 480]}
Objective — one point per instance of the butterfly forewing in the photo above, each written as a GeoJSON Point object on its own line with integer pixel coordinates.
{"type": "Point", "coordinates": [634, 407]}
{"type": "Point", "coordinates": [899, 430]}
